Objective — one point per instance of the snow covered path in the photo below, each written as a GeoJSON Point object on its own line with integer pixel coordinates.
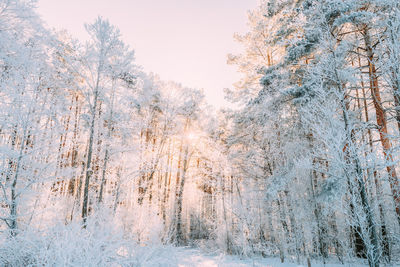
{"type": "Point", "coordinates": [194, 258]}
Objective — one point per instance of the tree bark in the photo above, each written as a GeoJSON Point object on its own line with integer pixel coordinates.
{"type": "Point", "coordinates": [382, 123]}
{"type": "Point", "coordinates": [89, 161]}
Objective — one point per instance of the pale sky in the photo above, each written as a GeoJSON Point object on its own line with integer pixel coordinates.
{"type": "Point", "coordinates": [186, 41]}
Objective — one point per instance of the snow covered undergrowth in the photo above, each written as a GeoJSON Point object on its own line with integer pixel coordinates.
{"type": "Point", "coordinates": [195, 258]}
{"type": "Point", "coordinates": [158, 256]}
{"type": "Point", "coordinates": [73, 246]}
{"type": "Point", "coordinates": [107, 243]}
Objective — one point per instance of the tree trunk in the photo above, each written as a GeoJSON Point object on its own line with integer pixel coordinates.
{"type": "Point", "coordinates": [89, 162]}
{"type": "Point", "coordinates": [179, 200]}
{"type": "Point", "coordinates": [13, 225]}
{"type": "Point", "coordinates": [372, 253]}
{"type": "Point", "coordinates": [382, 123]}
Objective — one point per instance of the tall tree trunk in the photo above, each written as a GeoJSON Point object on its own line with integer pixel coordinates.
{"type": "Point", "coordinates": [382, 123]}
{"type": "Point", "coordinates": [166, 184]}
{"type": "Point", "coordinates": [373, 253]}
{"type": "Point", "coordinates": [285, 227]}
{"type": "Point", "coordinates": [74, 149]}
{"type": "Point", "coordinates": [179, 199]}
{"type": "Point", "coordinates": [103, 175]}
{"type": "Point", "coordinates": [229, 249]}
{"type": "Point", "coordinates": [89, 171]}
{"type": "Point", "coordinates": [321, 229]}
{"type": "Point", "coordinates": [14, 195]}
{"type": "Point", "coordinates": [106, 154]}
{"type": "Point", "coordinates": [385, 240]}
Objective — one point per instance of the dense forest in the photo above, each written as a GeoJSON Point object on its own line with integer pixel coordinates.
{"type": "Point", "coordinates": [104, 164]}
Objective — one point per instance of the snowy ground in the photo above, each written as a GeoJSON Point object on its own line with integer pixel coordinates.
{"type": "Point", "coordinates": [182, 257]}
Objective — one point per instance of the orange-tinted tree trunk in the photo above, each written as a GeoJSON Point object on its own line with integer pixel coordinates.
{"type": "Point", "coordinates": [382, 122]}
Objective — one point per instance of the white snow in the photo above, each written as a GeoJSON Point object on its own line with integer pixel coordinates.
{"type": "Point", "coordinates": [188, 257]}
